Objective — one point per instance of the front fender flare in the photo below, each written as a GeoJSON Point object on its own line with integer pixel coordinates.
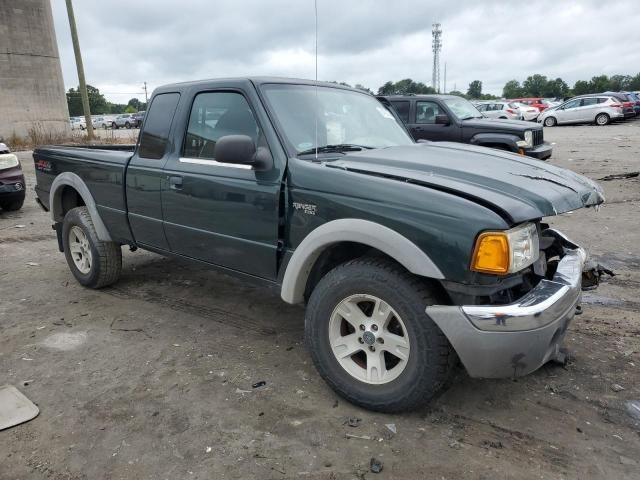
{"type": "Point", "coordinates": [365, 232]}
{"type": "Point", "coordinates": [55, 202]}
{"type": "Point", "coordinates": [505, 139]}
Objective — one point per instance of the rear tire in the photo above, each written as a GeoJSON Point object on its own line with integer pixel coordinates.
{"type": "Point", "coordinates": [602, 119]}
{"type": "Point", "coordinates": [114, 125]}
{"type": "Point", "coordinates": [94, 263]}
{"type": "Point", "coordinates": [550, 122]}
{"type": "Point", "coordinates": [13, 205]}
{"type": "Point", "coordinates": [128, 125]}
{"type": "Point", "coordinates": [428, 357]}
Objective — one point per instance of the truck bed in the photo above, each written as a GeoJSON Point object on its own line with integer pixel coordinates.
{"type": "Point", "coordinates": [102, 168]}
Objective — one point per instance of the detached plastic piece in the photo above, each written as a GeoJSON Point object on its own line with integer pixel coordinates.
{"type": "Point", "coordinates": [15, 408]}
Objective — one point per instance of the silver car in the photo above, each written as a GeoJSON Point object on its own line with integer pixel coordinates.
{"type": "Point", "coordinates": [100, 122]}
{"type": "Point", "coordinates": [598, 109]}
{"type": "Point", "coordinates": [125, 120]}
{"type": "Point", "coordinates": [500, 109]}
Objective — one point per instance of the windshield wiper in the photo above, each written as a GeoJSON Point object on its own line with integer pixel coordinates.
{"type": "Point", "coordinates": [341, 147]}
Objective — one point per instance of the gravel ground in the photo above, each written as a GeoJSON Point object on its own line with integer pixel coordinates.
{"type": "Point", "coordinates": [152, 378]}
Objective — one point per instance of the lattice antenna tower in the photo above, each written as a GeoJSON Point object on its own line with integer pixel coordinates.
{"type": "Point", "coordinates": [436, 33]}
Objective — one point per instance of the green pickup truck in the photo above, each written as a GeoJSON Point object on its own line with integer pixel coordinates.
{"type": "Point", "coordinates": [408, 256]}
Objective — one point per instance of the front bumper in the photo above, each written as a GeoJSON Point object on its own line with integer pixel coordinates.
{"type": "Point", "coordinates": [12, 184]}
{"type": "Point", "coordinates": [541, 152]}
{"type": "Point", "coordinates": [516, 339]}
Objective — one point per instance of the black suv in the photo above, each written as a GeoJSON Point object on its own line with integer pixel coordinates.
{"type": "Point", "coordinates": [450, 118]}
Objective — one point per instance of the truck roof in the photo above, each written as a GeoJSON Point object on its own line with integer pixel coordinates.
{"type": "Point", "coordinates": [255, 80]}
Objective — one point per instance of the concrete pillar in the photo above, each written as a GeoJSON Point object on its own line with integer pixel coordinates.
{"type": "Point", "coordinates": [32, 94]}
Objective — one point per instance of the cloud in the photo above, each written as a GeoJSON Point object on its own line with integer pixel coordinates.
{"type": "Point", "coordinates": [125, 43]}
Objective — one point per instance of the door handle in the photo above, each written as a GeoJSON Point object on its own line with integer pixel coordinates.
{"type": "Point", "coordinates": [175, 183]}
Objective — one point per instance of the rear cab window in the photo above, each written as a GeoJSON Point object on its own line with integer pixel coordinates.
{"type": "Point", "coordinates": [155, 135]}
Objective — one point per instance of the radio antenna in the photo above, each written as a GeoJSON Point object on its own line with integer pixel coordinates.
{"type": "Point", "coordinates": [315, 4]}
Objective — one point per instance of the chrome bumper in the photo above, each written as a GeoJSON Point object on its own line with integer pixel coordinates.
{"type": "Point", "coordinates": [516, 339]}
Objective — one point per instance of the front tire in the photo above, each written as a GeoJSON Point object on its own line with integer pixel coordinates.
{"type": "Point", "coordinates": [94, 263]}
{"type": "Point", "coordinates": [602, 119]}
{"type": "Point", "coordinates": [114, 125]}
{"type": "Point", "coordinates": [370, 339]}
{"type": "Point", "coordinates": [128, 125]}
{"type": "Point", "coordinates": [550, 122]}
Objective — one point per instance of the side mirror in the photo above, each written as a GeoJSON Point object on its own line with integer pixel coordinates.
{"type": "Point", "coordinates": [442, 119]}
{"type": "Point", "coordinates": [241, 150]}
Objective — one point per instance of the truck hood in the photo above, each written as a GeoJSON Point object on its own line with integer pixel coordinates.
{"type": "Point", "coordinates": [499, 125]}
{"type": "Point", "coordinates": [516, 187]}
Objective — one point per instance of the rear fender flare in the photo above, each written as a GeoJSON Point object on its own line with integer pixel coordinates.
{"type": "Point", "coordinates": [365, 232]}
{"type": "Point", "coordinates": [505, 139]}
{"type": "Point", "coordinates": [55, 201]}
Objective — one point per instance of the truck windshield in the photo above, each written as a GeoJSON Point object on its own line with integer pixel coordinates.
{"type": "Point", "coordinates": [462, 108]}
{"type": "Point", "coordinates": [333, 116]}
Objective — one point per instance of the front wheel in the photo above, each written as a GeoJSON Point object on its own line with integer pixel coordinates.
{"type": "Point", "coordinates": [602, 119]}
{"type": "Point", "coordinates": [373, 344]}
{"type": "Point", "coordinates": [128, 125]}
{"type": "Point", "coordinates": [550, 122]}
{"type": "Point", "coordinates": [94, 263]}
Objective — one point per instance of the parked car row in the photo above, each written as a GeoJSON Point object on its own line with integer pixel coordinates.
{"type": "Point", "coordinates": [124, 120]}
{"type": "Point", "coordinates": [599, 108]}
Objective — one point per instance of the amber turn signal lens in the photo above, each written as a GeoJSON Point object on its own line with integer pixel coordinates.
{"type": "Point", "coordinates": [491, 254]}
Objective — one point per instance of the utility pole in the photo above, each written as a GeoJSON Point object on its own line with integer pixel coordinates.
{"type": "Point", "coordinates": [444, 90]}
{"type": "Point", "coordinates": [146, 97]}
{"type": "Point", "coordinates": [79, 65]}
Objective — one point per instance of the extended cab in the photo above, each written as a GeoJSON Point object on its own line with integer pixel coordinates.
{"type": "Point", "coordinates": [407, 255]}
{"type": "Point", "coordinates": [448, 118]}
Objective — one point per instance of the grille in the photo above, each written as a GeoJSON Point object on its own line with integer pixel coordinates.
{"type": "Point", "coordinates": [538, 137]}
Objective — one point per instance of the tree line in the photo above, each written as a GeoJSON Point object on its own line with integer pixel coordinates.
{"type": "Point", "coordinates": [533, 86]}
{"type": "Point", "coordinates": [99, 105]}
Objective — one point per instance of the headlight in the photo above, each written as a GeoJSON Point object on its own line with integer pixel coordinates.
{"type": "Point", "coordinates": [528, 137]}
{"type": "Point", "coordinates": [506, 252]}
{"type": "Point", "coordinates": [8, 160]}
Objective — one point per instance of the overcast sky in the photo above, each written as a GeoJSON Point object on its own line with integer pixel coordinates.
{"type": "Point", "coordinates": [125, 42]}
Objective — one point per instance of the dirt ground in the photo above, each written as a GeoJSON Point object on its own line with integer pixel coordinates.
{"type": "Point", "coordinates": [152, 378]}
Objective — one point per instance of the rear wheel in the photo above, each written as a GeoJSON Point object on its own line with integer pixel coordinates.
{"type": "Point", "coordinates": [550, 122]}
{"type": "Point", "coordinates": [12, 205]}
{"type": "Point", "coordinates": [602, 119]}
{"type": "Point", "coordinates": [373, 344]}
{"type": "Point", "coordinates": [114, 125]}
{"type": "Point", "coordinates": [128, 125]}
{"type": "Point", "coordinates": [94, 263]}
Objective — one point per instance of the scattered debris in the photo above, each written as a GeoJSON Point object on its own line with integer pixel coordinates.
{"type": "Point", "coordinates": [288, 349]}
{"type": "Point", "coordinates": [592, 274]}
{"type": "Point", "coordinates": [455, 444]}
{"type": "Point", "coordinates": [352, 422]}
{"type": "Point", "coordinates": [261, 414]}
{"type": "Point", "coordinates": [33, 264]}
{"type": "Point", "coordinates": [259, 384]}
{"type": "Point", "coordinates": [392, 427]}
{"type": "Point", "coordinates": [360, 437]}
{"type": "Point", "coordinates": [335, 404]}
{"type": "Point", "coordinates": [578, 429]}
{"type": "Point", "coordinates": [15, 408]}
{"type": "Point", "coordinates": [617, 388]}
{"type": "Point", "coordinates": [633, 408]}
{"type": "Point", "coordinates": [26, 383]}
{"type": "Point", "coordinates": [375, 465]}
{"type": "Point", "coordinates": [492, 444]}
{"type": "Point", "coordinates": [242, 391]}
{"type": "Point", "coordinates": [627, 461]}
{"type": "Point", "coordinates": [208, 450]}
{"type": "Point", "coordinates": [20, 226]}
{"type": "Point", "coordinates": [620, 176]}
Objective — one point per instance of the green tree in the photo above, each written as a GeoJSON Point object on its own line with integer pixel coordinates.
{"type": "Point", "coordinates": [97, 102]}
{"type": "Point", "coordinates": [599, 83]}
{"type": "Point", "coordinates": [136, 104]}
{"type": "Point", "coordinates": [535, 85]}
{"type": "Point", "coordinates": [475, 89]}
{"type": "Point", "coordinates": [404, 87]}
{"type": "Point", "coordinates": [634, 84]}
{"type": "Point", "coordinates": [620, 83]}
{"type": "Point", "coordinates": [512, 89]}
{"type": "Point", "coordinates": [557, 88]}
{"type": "Point", "coordinates": [130, 109]}
{"type": "Point", "coordinates": [581, 87]}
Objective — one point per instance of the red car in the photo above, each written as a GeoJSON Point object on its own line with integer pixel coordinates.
{"type": "Point", "coordinates": [12, 182]}
{"type": "Point", "coordinates": [534, 102]}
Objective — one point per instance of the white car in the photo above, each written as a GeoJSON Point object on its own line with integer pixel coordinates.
{"type": "Point", "coordinates": [78, 123]}
{"type": "Point", "coordinates": [101, 122]}
{"type": "Point", "coordinates": [499, 109]}
{"type": "Point", "coordinates": [599, 109]}
{"type": "Point", "coordinates": [527, 112]}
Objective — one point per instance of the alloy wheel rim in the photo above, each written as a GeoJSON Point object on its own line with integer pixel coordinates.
{"type": "Point", "coordinates": [602, 119]}
{"type": "Point", "coordinates": [80, 250]}
{"type": "Point", "coordinates": [369, 339]}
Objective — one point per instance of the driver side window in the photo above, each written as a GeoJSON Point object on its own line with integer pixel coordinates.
{"type": "Point", "coordinates": [426, 112]}
{"type": "Point", "coordinates": [214, 115]}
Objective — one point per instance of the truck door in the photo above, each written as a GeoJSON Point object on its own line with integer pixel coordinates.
{"type": "Point", "coordinates": [424, 124]}
{"type": "Point", "coordinates": [145, 174]}
{"type": "Point", "coordinates": [220, 213]}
